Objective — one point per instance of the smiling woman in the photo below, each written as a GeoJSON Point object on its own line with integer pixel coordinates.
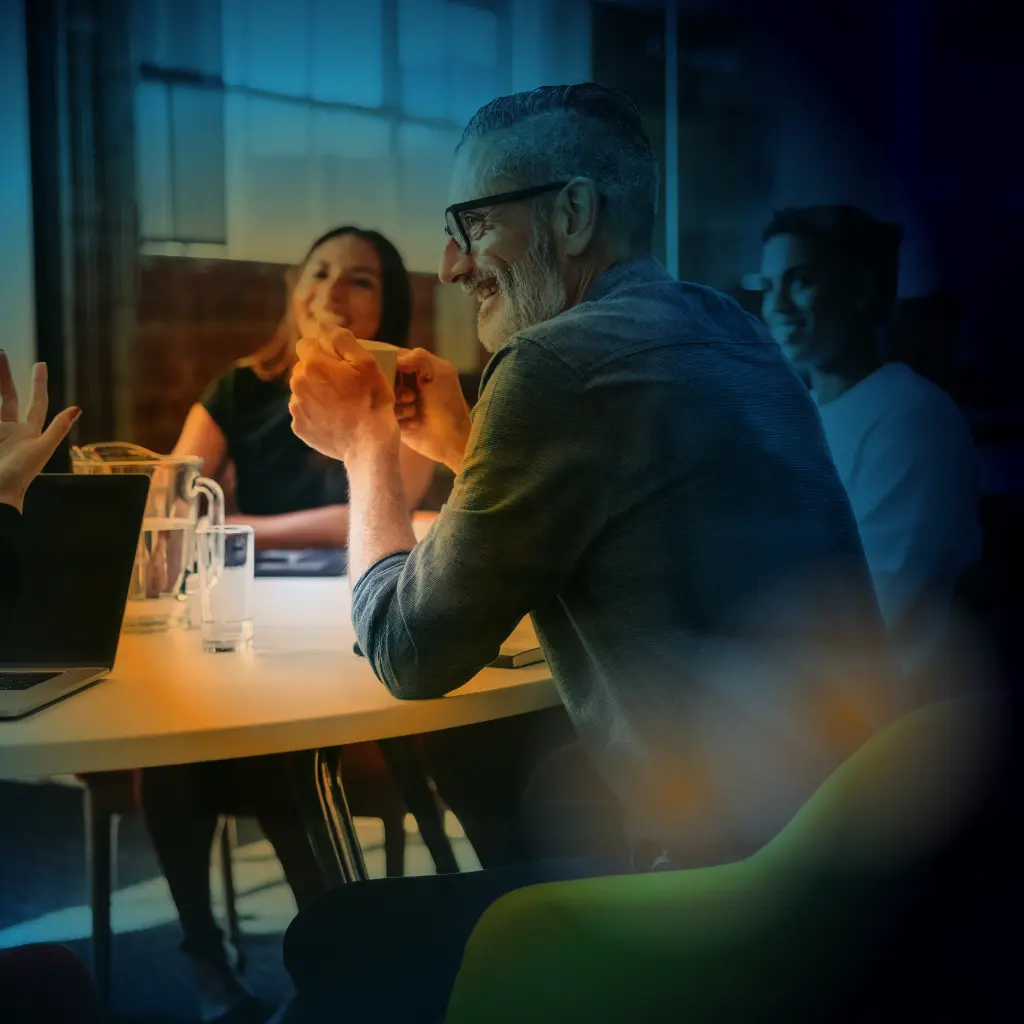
{"type": "Point", "coordinates": [292, 496]}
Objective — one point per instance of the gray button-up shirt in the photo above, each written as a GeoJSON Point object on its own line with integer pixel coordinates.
{"type": "Point", "coordinates": [648, 478]}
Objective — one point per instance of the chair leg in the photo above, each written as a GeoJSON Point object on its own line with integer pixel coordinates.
{"type": "Point", "coordinates": [411, 779]}
{"type": "Point", "coordinates": [394, 843]}
{"type": "Point", "coordinates": [100, 847]}
{"type": "Point", "coordinates": [227, 841]}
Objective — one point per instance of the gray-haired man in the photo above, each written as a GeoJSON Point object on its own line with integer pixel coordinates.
{"type": "Point", "coordinates": [647, 477]}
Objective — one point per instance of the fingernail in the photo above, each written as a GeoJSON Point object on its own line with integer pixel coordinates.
{"type": "Point", "coordinates": [76, 412]}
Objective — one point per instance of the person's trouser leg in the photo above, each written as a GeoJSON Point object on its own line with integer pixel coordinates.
{"type": "Point", "coordinates": [390, 948]}
{"type": "Point", "coordinates": [263, 788]}
{"type": "Point", "coordinates": [182, 805]}
{"type": "Point", "coordinates": [567, 811]}
{"type": "Point", "coordinates": [481, 772]}
{"type": "Point", "coordinates": [394, 946]}
{"type": "Point", "coordinates": [177, 809]}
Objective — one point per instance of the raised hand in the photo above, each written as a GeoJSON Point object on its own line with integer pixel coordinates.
{"type": "Point", "coordinates": [25, 447]}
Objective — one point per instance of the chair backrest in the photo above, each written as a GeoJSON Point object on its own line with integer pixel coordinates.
{"type": "Point", "coordinates": [901, 796]}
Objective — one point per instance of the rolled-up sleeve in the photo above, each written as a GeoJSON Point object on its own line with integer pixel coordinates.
{"type": "Point", "coordinates": [532, 494]}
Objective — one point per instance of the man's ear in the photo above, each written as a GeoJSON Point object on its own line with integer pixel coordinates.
{"type": "Point", "coordinates": [576, 212]}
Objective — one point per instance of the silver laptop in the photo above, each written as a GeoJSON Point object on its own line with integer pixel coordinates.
{"type": "Point", "coordinates": [80, 535]}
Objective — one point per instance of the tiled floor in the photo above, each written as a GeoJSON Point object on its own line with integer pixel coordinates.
{"type": "Point", "coordinates": [43, 897]}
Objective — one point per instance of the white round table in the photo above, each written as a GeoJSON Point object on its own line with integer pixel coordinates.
{"type": "Point", "coordinates": [302, 688]}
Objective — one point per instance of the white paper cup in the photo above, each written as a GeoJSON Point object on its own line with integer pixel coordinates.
{"type": "Point", "coordinates": [386, 356]}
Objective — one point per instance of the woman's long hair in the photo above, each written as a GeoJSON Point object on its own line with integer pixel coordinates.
{"type": "Point", "coordinates": [276, 358]}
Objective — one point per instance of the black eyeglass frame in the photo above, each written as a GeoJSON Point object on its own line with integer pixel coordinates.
{"type": "Point", "coordinates": [456, 230]}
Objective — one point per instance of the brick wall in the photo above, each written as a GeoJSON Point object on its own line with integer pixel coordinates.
{"type": "Point", "coordinates": [195, 317]}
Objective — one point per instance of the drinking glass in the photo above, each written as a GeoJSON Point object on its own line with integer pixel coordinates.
{"type": "Point", "coordinates": [227, 561]}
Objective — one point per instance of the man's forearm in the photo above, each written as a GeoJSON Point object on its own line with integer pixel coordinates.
{"type": "Point", "coordinates": [379, 521]}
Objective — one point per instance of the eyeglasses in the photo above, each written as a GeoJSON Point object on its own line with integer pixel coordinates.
{"type": "Point", "coordinates": [455, 228]}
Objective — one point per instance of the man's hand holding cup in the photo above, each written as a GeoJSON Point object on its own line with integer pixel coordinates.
{"type": "Point", "coordinates": [433, 414]}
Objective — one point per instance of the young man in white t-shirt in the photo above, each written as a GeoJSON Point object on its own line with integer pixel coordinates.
{"type": "Point", "coordinates": [902, 447]}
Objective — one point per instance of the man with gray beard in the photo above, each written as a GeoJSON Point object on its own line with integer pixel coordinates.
{"type": "Point", "coordinates": [647, 477]}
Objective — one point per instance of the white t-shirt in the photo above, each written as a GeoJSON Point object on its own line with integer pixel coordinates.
{"type": "Point", "coordinates": [906, 457]}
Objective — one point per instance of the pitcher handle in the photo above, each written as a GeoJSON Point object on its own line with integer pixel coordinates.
{"type": "Point", "coordinates": [215, 514]}
{"type": "Point", "coordinates": [214, 498]}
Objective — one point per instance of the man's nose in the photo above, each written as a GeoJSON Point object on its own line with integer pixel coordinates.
{"type": "Point", "coordinates": [454, 263]}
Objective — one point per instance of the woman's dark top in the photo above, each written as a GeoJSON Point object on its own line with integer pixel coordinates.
{"type": "Point", "coordinates": [276, 472]}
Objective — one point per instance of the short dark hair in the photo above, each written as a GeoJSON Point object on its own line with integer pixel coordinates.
{"type": "Point", "coordinates": [850, 241]}
{"type": "Point", "coordinates": [584, 129]}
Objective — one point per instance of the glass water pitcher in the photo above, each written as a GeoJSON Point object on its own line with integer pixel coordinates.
{"type": "Point", "coordinates": [166, 556]}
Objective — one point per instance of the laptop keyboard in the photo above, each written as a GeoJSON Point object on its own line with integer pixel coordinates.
{"type": "Point", "coordinates": [24, 680]}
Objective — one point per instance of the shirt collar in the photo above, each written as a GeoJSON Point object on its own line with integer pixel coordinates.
{"type": "Point", "coordinates": [624, 273]}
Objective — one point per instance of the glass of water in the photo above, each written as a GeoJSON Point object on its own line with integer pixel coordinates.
{"type": "Point", "coordinates": [226, 584]}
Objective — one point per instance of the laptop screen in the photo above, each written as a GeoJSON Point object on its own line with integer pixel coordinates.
{"type": "Point", "coordinates": [80, 535]}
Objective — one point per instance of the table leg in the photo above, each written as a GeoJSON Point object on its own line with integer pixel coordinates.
{"type": "Point", "coordinates": [335, 804]}
{"type": "Point", "coordinates": [100, 846]}
{"type": "Point", "coordinates": [329, 824]}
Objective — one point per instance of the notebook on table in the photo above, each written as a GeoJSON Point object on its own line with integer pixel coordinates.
{"type": "Point", "coordinates": [520, 649]}
{"type": "Point", "coordinates": [312, 562]}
